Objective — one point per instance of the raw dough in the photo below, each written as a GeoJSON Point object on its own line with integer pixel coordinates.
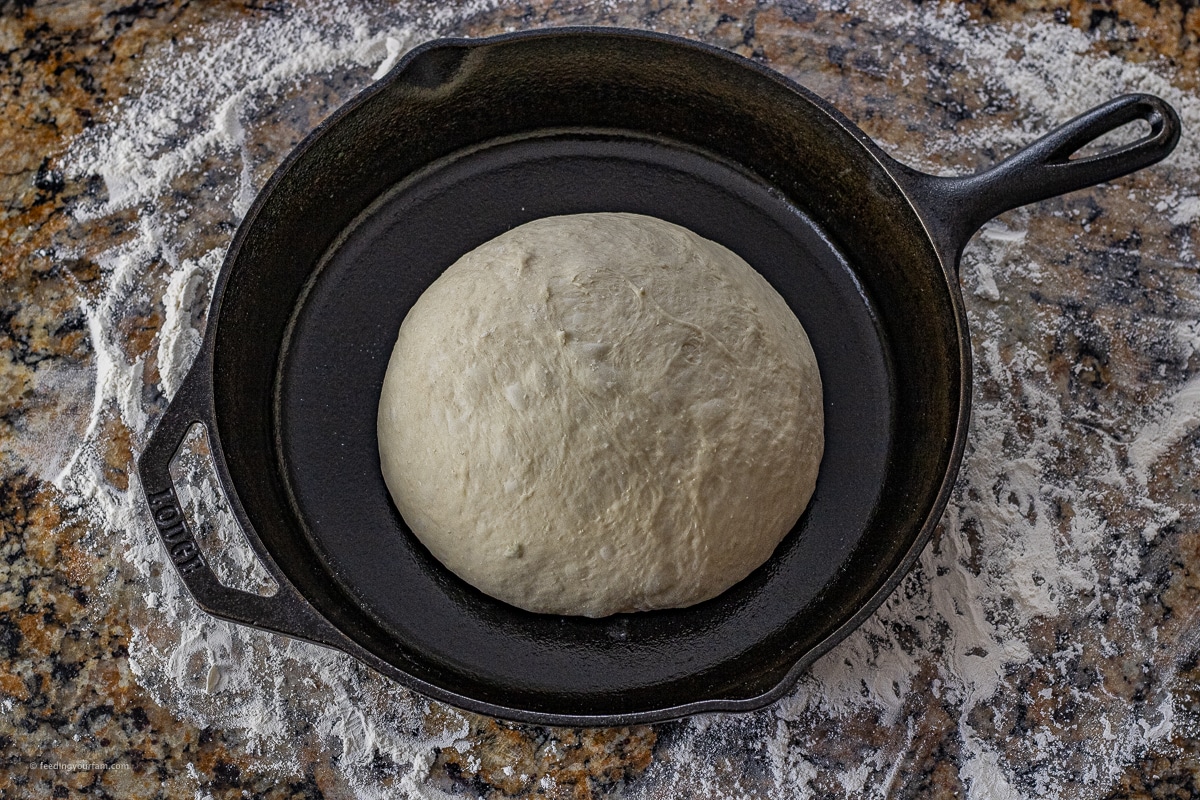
{"type": "Point", "coordinates": [600, 413]}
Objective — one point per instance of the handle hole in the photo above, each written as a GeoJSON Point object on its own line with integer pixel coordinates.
{"type": "Point", "coordinates": [1132, 131]}
{"type": "Point", "coordinates": [207, 511]}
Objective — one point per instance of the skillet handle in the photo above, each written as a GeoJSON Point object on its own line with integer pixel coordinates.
{"type": "Point", "coordinates": [286, 611]}
{"type": "Point", "coordinates": [958, 206]}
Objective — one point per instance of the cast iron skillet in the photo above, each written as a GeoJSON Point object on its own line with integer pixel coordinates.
{"type": "Point", "coordinates": [466, 139]}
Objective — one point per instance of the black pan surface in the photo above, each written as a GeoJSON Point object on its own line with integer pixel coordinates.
{"type": "Point", "coordinates": [329, 389]}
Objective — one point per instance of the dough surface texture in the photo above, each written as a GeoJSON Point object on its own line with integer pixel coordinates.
{"type": "Point", "coordinates": [600, 413]}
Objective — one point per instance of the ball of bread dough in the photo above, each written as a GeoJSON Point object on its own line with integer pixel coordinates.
{"type": "Point", "coordinates": [600, 413]}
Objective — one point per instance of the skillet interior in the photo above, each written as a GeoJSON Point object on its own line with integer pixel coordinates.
{"type": "Point", "coordinates": [488, 136]}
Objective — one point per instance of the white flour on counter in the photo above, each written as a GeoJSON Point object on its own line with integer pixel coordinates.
{"type": "Point", "coordinates": [953, 635]}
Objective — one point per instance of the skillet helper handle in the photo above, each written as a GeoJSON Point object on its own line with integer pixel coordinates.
{"type": "Point", "coordinates": [286, 611]}
{"type": "Point", "coordinates": [1045, 168]}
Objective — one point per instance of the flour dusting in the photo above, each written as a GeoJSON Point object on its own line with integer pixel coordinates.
{"type": "Point", "coordinates": [968, 636]}
{"type": "Point", "coordinates": [188, 291]}
{"type": "Point", "coordinates": [1179, 416]}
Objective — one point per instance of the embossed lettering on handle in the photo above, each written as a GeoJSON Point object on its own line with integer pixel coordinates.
{"type": "Point", "coordinates": [173, 528]}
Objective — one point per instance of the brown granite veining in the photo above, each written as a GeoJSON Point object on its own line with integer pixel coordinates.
{"type": "Point", "coordinates": [508, 760]}
{"type": "Point", "coordinates": [67, 611]}
{"type": "Point", "coordinates": [1133, 29]}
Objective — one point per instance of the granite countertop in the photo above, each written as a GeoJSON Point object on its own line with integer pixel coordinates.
{"type": "Point", "coordinates": [1046, 645]}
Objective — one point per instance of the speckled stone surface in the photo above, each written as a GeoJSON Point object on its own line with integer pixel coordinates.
{"type": "Point", "coordinates": [1111, 273]}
